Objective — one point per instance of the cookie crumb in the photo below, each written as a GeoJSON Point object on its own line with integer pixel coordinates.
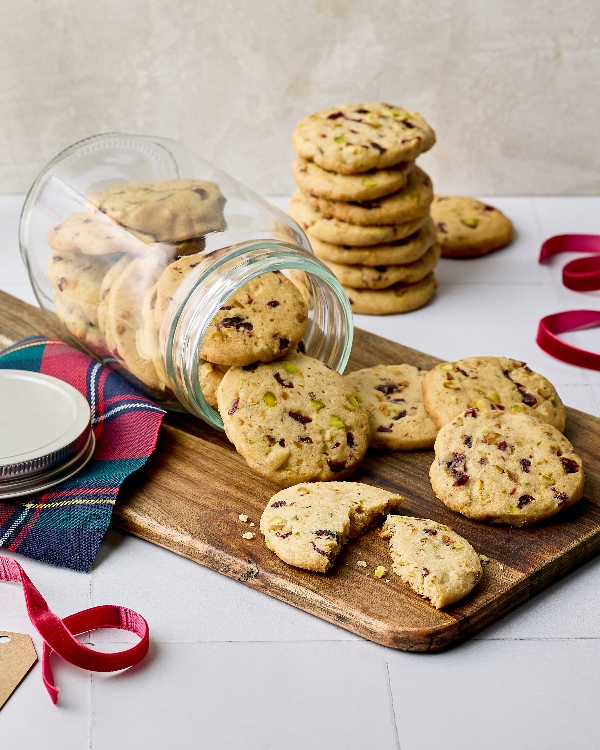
{"type": "Point", "coordinates": [248, 535]}
{"type": "Point", "coordinates": [387, 580]}
{"type": "Point", "coordinates": [251, 523]}
{"type": "Point", "coordinates": [243, 517]}
{"type": "Point", "coordinates": [484, 559]}
{"type": "Point", "coordinates": [361, 563]}
{"type": "Point", "coordinates": [380, 571]}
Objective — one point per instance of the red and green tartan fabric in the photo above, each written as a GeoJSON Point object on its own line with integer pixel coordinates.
{"type": "Point", "coordinates": [65, 525]}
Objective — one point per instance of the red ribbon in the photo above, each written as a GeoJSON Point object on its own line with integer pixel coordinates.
{"type": "Point", "coordinates": [581, 275]}
{"type": "Point", "coordinates": [58, 634]}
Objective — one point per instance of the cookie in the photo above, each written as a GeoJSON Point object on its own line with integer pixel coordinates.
{"type": "Point", "coordinates": [353, 139]}
{"type": "Point", "coordinates": [124, 318]}
{"type": "Point", "coordinates": [399, 298]}
{"type": "Point", "coordinates": [469, 228]}
{"type": "Point", "coordinates": [81, 233]}
{"type": "Point", "coordinates": [294, 420]}
{"type": "Point", "coordinates": [382, 277]}
{"type": "Point", "coordinates": [147, 337]}
{"type": "Point", "coordinates": [505, 467]}
{"type": "Point", "coordinates": [412, 202]}
{"type": "Point", "coordinates": [263, 320]}
{"type": "Point", "coordinates": [110, 277]}
{"type": "Point", "coordinates": [338, 232]}
{"type": "Point", "coordinates": [393, 399]}
{"type": "Point", "coordinates": [432, 559]}
{"type": "Point", "coordinates": [170, 279]}
{"type": "Point", "coordinates": [76, 319]}
{"type": "Point", "coordinates": [308, 524]}
{"type": "Point", "coordinates": [210, 377]}
{"type": "Point", "coordinates": [311, 179]}
{"type": "Point", "coordinates": [490, 382]}
{"type": "Point", "coordinates": [80, 276]}
{"type": "Point", "coordinates": [170, 211]}
{"type": "Point", "coordinates": [408, 250]}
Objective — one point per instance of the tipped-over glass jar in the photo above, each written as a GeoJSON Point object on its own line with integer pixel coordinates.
{"type": "Point", "coordinates": [168, 269]}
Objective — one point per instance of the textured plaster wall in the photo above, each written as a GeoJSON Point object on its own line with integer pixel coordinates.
{"type": "Point", "coordinates": [512, 87]}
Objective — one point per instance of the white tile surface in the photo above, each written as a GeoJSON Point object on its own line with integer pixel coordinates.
{"type": "Point", "coordinates": [233, 668]}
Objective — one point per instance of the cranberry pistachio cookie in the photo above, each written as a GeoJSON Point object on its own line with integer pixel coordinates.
{"type": "Point", "coordinates": [432, 559]}
{"type": "Point", "coordinates": [357, 138]}
{"type": "Point", "coordinates": [210, 377]}
{"type": "Point", "coordinates": [337, 232]}
{"type": "Point", "coordinates": [407, 250]}
{"type": "Point", "coordinates": [81, 233]}
{"type": "Point", "coordinates": [408, 204]}
{"type": "Point", "coordinates": [170, 211]}
{"type": "Point", "coordinates": [308, 524]}
{"type": "Point", "coordinates": [469, 228]}
{"type": "Point", "coordinates": [490, 382]}
{"type": "Point", "coordinates": [393, 399]}
{"type": "Point", "coordinates": [316, 181]}
{"type": "Point", "coordinates": [505, 467]}
{"type": "Point", "coordinates": [382, 277]}
{"type": "Point", "coordinates": [399, 298]}
{"type": "Point", "coordinates": [294, 420]}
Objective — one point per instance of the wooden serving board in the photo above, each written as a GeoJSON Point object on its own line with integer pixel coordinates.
{"type": "Point", "coordinates": [190, 493]}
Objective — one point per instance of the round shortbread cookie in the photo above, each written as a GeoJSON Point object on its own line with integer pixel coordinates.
{"type": "Point", "coordinates": [169, 282]}
{"type": "Point", "coordinates": [505, 467]}
{"type": "Point", "coordinates": [393, 399]}
{"type": "Point", "coordinates": [209, 377]}
{"type": "Point", "coordinates": [356, 138]}
{"type": "Point", "coordinates": [469, 228]}
{"type": "Point", "coordinates": [490, 382]}
{"type": "Point", "coordinates": [408, 250]}
{"type": "Point", "coordinates": [171, 210]}
{"type": "Point", "coordinates": [412, 202]}
{"type": "Point", "coordinates": [294, 420]}
{"type": "Point", "coordinates": [124, 318]}
{"type": "Point", "coordinates": [109, 279]}
{"type": "Point", "coordinates": [80, 276]}
{"type": "Point", "coordinates": [399, 298]}
{"type": "Point", "coordinates": [263, 320]}
{"type": "Point", "coordinates": [308, 524]}
{"type": "Point", "coordinates": [349, 187]}
{"type": "Point", "coordinates": [338, 232]}
{"type": "Point", "coordinates": [76, 318]}
{"type": "Point", "coordinates": [432, 559]}
{"type": "Point", "coordinates": [382, 277]}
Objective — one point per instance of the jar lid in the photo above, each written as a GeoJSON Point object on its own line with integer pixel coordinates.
{"type": "Point", "coordinates": [45, 432]}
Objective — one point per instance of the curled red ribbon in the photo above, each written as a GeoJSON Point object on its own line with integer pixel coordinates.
{"type": "Point", "coordinates": [581, 275]}
{"type": "Point", "coordinates": [58, 634]}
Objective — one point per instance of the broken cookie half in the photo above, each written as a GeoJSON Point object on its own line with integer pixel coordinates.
{"type": "Point", "coordinates": [432, 559]}
{"type": "Point", "coordinates": [308, 524]}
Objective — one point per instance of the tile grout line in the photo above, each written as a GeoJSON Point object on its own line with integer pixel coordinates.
{"type": "Point", "coordinates": [92, 714]}
{"type": "Point", "coordinates": [389, 684]}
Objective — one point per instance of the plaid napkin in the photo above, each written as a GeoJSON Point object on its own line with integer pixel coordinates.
{"type": "Point", "coordinates": [65, 525]}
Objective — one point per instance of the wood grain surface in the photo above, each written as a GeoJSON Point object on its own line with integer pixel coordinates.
{"type": "Point", "coordinates": [190, 493]}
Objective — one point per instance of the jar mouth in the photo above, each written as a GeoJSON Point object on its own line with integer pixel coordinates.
{"type": "Point", "coordinates": [329, 334]}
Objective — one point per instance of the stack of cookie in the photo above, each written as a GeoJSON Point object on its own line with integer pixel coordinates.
{"type": "Point", "coordinates": [364, 205]}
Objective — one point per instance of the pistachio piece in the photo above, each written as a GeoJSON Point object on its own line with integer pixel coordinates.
{"type": "Point", "coordinates": [471, 223]}
{"type": "Point", "coordinates": [269, 399]}
{"type": "Point", "coordinates": [451, 385]}
{"type": "Point", "coordinates": [316, 404]}
{"type": "Point", "coordinates": [336, 422]}
{"type": "Point", "coordinates": [493, 397]}
{"type": "Point", "coordinates": [516, 408]}
{"type": "Point", "coordinates": [289, 367]}
{"type": "Point", "coordinates": [355, 400]}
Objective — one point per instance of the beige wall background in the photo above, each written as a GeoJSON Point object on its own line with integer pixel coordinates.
{"type": "Point", "coordinates": [512, 87]}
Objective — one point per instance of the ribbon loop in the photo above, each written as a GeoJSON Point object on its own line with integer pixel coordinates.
{"type": "Point", "coordinates": [58, 634]}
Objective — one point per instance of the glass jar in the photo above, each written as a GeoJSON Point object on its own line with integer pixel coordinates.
{"type": "Point", "coordinates": [78, 234]}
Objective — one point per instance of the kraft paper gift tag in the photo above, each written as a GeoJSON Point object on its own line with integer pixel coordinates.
{"type": "Point", "coordinates": [17, 656]}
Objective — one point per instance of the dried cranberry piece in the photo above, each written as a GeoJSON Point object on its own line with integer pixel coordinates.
{"type": "Point", "coordinates": [408, 124]}
{"type": "Point", "coordinates": [529, 399]}
{"type": "Point", "coordinates": [304, 439]}
{"type": "Point", "coordinates": [562, 497]}
{"type": "Point", "coordinates": [283, 343]}
{"type": "Point", "coordinates": [283, 536]}
{"type": "Point", "coordinates": [270, 440]}
{"type": "Point", "coordinates": [278, 503]}
{"type": "Point", "coordinates": [377, 147]}
{"type": "Point", "coordinates": [424, 572]}
{"type": "Point", "coordinates": [362, 111]}
{"type": "Point", "coordinates": [462, 372]}
{"type": "Point", "coordinates": [233, 407]}
{"type": "Point", "coordinates": [503, 446]}
{"type": "Point", "coordinates": [321, 551]}
{"type": "Point", "coordinates": [350, 439]}
{"type": "Point", "coordinates": [570, 466]}
{"type": "Point", "coordinates": [442, 227]}
{"type": "Point", "coordinates": [460, 479]}
{"type": "Point", "coordinates": [237, 322]}
{"type": "Point", "coordinates": [336, 445]}
{"type": "Point", "coordinates": [471, 413]}
{"type": "Point", "coordinates": [326, 533]}
{"type": "Point", "coordinates": [301, 348]}
{"type": "Point", "coordinates": [488, 208]}
{"type": "Point", "coordinates": [468, 441]}
{"type": "Point", "coordinates": [201, 192]}
{"type": "Point", "coordinates": [281, 442]}
{"type": "Point", "coordinates": [336, 466]}
{"type": "Point", "coordinates": [388, 388]}
{"type": "Point", "coordinates": [62, 282]}
{"type": "Point", "coordinates": [524, 500]}
{"type": "Point", "coordinates": [483, 460]}
{"type": "Point", "coordinates": [459, 457]}
{"type": "Point", "coordinates": [525, 465]}
{"type": "Point", "coordinates": [273, 303]}
{"type": "Point", "coordinates": [302, 418]}
{"type": "Point", "coordinates": [226, 307]}
{"type": "Point", "coordinates": [335, 115]}
{"type": "Point", "coordinates": [400, 415]}
{"type": "Point", "coordinates": [282, 382]}
{"type": "Point", "coordinates": [430, 532]}
{"type": "Point", "coordinates": [383, 428]}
